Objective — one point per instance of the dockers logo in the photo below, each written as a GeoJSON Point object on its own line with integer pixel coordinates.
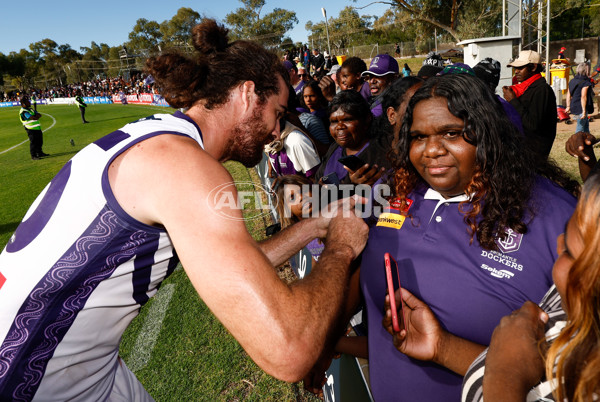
{"type": "Point", "coordinates": [511, 243]}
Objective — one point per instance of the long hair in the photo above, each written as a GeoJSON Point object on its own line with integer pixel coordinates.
{"type": "Point", "coordinates": [576, 351]}
{"type": "Point", "coordinates": [215, 69]}
{"type": "Point", "coordinates": [314, 85]}
{"type": "Point", "coordinates": [283, 210]}
{"type": "Point", "coordinates": [583, 69]}
{"type": "Point", "coordinates": [505, 171]}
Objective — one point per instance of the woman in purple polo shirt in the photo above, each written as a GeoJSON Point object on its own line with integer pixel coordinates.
{"type": "Point", "coordinates": [350, 126]}
{"type": "Point", "coordinates": [472, 227]}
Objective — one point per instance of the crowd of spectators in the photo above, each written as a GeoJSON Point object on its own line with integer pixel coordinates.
{"type": "Point", "coordinates": [139, 83]}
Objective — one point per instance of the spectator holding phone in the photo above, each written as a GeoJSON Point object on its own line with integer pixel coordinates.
{"type": "Point", "coordinates": [350, 126]}
{"type": "Point", "coordinates": [518, 364]}
{"type": "Point", "coordinates": [472, 225]}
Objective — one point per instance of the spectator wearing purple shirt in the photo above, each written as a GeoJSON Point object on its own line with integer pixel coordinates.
{"type": "Point", "coordinates": [382, 71]}
{"type": "Point", "coordinates": [350, 126]}
{"type": "Point", "coordinates": [472, 225]}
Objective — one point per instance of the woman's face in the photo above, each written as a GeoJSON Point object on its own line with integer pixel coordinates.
{"type": "Point", "coordinates": [349, 80]}
{"type": "Point", "coordinates": [311, 99]}
{"type": "Point", "coordinates": [396, 116]}
{"type": "Point", "coordinates": [569, 247]}
{"type": "Point", "coordinates": [438, 150]}
{"type": "Point", "coordinates": [347, 130]}
{"type": "Point", "coordinates": [295, 202]}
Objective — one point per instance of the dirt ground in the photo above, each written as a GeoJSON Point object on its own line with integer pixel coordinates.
{"type": "Point", "coordinates": [563, 132]}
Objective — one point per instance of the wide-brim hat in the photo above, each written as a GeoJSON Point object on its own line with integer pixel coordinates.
{"type": "Point", "coordinates": [526, 57]}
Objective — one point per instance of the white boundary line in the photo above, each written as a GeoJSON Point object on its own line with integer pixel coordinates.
{"type": "Point", "coordinates": [43, 131]}
{"type": "Point", "coordinates": [148, 335]}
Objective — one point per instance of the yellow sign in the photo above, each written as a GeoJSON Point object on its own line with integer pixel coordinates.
{"type": "Point", "coordinates": [391, 220]}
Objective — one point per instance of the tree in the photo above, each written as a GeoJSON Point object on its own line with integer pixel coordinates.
{"type": "Point", "coordinates": [246, 23]}
{"type": "Point", "coordinates": [177, 30]}
{"type": "Point", "coordinates": [145, 36]}
{"type": "Point", "coordinates": [347, 29]}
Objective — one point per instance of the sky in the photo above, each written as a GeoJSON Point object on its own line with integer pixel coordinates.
{"type": "Point", "coordinates": [79, 22]}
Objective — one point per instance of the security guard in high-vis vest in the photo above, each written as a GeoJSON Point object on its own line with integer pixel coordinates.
{"type": "Point", "coordinates": [30, 120]}
{"type": "Point", "coordinates": [82, 105]}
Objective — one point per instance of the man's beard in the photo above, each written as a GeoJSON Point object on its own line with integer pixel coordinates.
{"type": "Point", "coordinates": [249, 139]}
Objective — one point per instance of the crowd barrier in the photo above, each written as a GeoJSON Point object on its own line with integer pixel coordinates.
{"type": "Point", "coordinates": [141, 99]}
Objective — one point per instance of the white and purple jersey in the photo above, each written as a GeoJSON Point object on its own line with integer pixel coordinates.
{"type": "Point", "coordinates": [76, 272]}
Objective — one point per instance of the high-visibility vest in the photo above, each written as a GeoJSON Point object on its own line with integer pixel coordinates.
{"type": "Point", "coordinates": [79, 101]}
{"type": "Point", "coordinates": [29, 124]}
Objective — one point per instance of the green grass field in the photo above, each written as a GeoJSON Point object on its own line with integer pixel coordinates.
{"type": "Point", "coordinates": [176, 347]}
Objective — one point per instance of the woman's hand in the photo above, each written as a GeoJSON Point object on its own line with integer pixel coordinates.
{"type": "Point", "coordinates": [422, 335]}
{"type": "Point", "coordinates": [514, 363]}
{"type": "Point", "coordinates": [365, 174]}
{"type": "Point", "coordinates": [425, 339]}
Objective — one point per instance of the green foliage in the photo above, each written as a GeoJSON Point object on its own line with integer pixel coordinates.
{"type": "Point", "coordinates": [575, 19]}
{"type": "Point", "coordinates": [269, 30]}
{"type": "Point", "coordinates": [145, 36]}
{"type": "Point", "coordinates": [177, 30]}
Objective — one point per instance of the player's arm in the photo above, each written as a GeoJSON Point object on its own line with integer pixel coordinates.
{"type": "Point", "coordinates": [282, 246]}
{"type": "Point", "coordinates": [166, 181]}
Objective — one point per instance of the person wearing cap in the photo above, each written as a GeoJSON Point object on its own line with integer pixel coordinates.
{"type": "Point", "coordinates": [561, 54]}
{"type": "Point", "coordinates": [382, 71]}
{"type": "Point", "coordinates": [432, 65]}
{"type": "Point", "coordinates": [488, 70]}
{"type": "Point", "coordinates": [295, 79]}
{"type": "Point", "coordinates": [535, 102]}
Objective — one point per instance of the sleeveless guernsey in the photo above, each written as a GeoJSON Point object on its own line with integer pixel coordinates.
{"type": "Point", "coordinates": [76, 272]}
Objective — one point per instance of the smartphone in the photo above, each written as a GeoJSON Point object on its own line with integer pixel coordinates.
{"type": "Point", "coordinates": [331, 178]}
{"type": "Point", "coordinates": [393, 284]}
{"type": "Point", "coordinates": [352, 162]}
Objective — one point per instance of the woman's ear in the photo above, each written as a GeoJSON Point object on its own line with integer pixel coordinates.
{"type": "Point", "coordinates": [391, 115]}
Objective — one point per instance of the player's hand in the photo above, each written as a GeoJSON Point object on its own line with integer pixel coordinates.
{"type": "Point", "coordinates": [344, 226]}
{"type": "Point", "coordinates": [580, 144]}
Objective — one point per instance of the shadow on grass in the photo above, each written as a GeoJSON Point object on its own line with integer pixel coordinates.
{"type": "Point", "coordinates": [8, 228]}
{"type": "Point", "coordinates": [135, 116]}
{"type": "Point", "coordinates": [56, 155]}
